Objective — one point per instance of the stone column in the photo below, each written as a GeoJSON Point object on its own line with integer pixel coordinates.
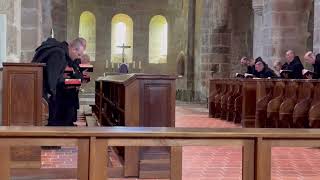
{"type": "Point", "coordinates": [316, 37]}
{"type": "Point", "coordinates": [257, 6]}
{"type": "Point", "coordinates": [285, 27]}
{"type": "Point", "coordinates": [12, 11]}
{"type": "Point", "coordinates": [212, 52]}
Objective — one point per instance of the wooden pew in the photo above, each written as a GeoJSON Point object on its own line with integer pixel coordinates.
{"type": "Point", "coordinates": [238, 103]}
{"type": "Point", "coordinates": [266, 103]}
{"type": "Point", "coordinates": [215, 88]}
{"type": "Point", "coordinates": [231, 100]}
{"type": "Point", "coordinates": [249, 92]}
{"type": "Point", "coordinates": [301, 109]}
{"type": "Point", "coordinates": [288, 104]}
{"type": "Point", "coordinates": [274, 104]}
{"type": "Point", "coordinates": [217, 98]}
{"type": "Point", "coordinates": [225, 97]}
{"type": "Point", "coordinates": [264, 96]}
{"type": "Point", "coordinates": [314, 112]}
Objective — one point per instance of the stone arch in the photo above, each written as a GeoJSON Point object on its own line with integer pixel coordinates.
{"type": "Point", "coordinates": [181, 61]}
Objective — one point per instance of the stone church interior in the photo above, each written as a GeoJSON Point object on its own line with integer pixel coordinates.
{"type": "Point", "coordinates": [159, 89]}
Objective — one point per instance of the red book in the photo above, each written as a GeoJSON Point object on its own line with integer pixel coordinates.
{"type": "Point", "coordinates": [72, 82]}
{"type": "Point", "coordinates": [87, 67]}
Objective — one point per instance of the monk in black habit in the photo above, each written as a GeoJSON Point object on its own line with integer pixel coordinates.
{"type": "Point", "coordinates": [293, 65]}
{"type": "Point", "coordinates": [262, 70]}
{"type": "Point", "coordinates": [314, 60]}
{"type": "Point", "coordinates": [57, 55]}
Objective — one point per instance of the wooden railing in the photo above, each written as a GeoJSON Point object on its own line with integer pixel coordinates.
{"type": "Point", "coordinates": [92, 145]}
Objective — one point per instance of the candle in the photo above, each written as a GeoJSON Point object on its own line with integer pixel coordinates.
{"type": "Point", "coordinates": [107, 64]}
{"type": "Point", "coordinates": [133, 64]}
{"type": "Point", "coordinates": [139, 64]}
{"type": "Point", "coordinates": [118, 65]}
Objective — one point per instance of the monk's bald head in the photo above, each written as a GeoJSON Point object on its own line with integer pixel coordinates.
{"type": "Point", "coordinates": [77, 48]}
{"type": "Point", "coordinates": [290, 54]}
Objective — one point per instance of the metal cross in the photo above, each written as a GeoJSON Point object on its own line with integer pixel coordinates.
{"type": "Point", "coordinates": [123, 47]}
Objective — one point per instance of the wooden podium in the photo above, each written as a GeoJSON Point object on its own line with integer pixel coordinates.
{"type": "Point", "coordinates": [138, 100]}
{"type": "Point", "coordinates": [22, 106]}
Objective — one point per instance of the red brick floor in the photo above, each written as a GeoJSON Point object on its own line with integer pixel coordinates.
{"type": "Point", "coordinates": [208, 163]}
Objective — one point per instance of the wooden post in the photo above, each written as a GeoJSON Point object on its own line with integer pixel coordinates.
{"type": "Point", "coordinates": [263, 159]}
{"type": "Point", "coordinates": [248, 160]}
{"type": "Point", "coordinates": [176, 163]}
{"type": "Point", "coordinates": [98, 159]}
{"type": "Point", "coordinates": [83, 159]}
{"type": "Point", "coordinates": [5, 162]}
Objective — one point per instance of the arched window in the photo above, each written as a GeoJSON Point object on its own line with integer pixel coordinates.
{"type": "Point", "coordinates": [158, 40]}
{"type": "Point", "coordinates": [121, 35]}
{"type": "Point", "coordinates": [87, 30]}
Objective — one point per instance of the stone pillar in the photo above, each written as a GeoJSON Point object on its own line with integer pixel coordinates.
{"type": "Point", "coordinates": [59, 18]}
{"type": "Point", "coordinates": [12, 11]}
{"type": "Point", "coordinates": [285, 27]}
{"type": "Point", "coordinates": [316, 39]}
{"type": "Point", "coordinates": [213, 50]}
{"type": "Point", "coordinates": [30, 28]}
{"type": "Point", "coordinates": [257, 6]}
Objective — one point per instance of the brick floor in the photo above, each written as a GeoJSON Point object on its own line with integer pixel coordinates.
{"type": "Point", "coordinates": [208, 163]}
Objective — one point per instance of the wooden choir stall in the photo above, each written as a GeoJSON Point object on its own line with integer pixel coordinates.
{"type": "Point", "coordinates": [138, 100]}
{"type": "Point", "coordinates": [266, 103]}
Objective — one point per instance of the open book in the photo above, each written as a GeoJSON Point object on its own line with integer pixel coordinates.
{"type": "Point", "coordinates": [307, 74]}
{"type": "Point", "coordinates": [246, 75]}
{"type": "Point", "coordinates": [285, 71]}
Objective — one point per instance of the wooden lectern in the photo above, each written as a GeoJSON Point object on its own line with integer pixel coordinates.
{"type": "Point", "coordinates": [22, 106]}
{"type": "Point", "coordinates": [138, 100]}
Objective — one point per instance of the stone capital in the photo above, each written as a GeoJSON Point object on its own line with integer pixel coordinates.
{"type": "Point", "coordinates": [257, 6]}
{"type": "Point", "coordinates": [4, 4]}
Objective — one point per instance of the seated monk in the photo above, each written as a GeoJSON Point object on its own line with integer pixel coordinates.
{"type": "Point", "coordinates": [293, 65]}
{"type": "Point", "coordinates": [313, 59]}
{"type": "Point", "coordinates": [249, 63]}
{"type": "Point", "coordinates": [277, 66]}
{"type": "Point", "coordinates": [263, 71]}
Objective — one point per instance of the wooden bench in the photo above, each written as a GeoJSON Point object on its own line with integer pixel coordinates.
{"type": "Point", "coordinates": [92, 145]}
